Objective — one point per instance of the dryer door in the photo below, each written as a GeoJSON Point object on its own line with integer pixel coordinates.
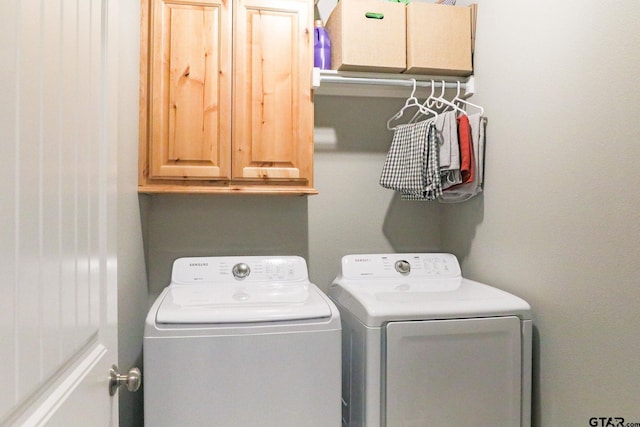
{"type": "Point", "coordinates": [460, 372]}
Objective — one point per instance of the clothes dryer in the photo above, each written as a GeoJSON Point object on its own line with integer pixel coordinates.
{"type": "Point", "coordinates": [242, 342]}
{"type": "Point", "coordinates": [423, 346]}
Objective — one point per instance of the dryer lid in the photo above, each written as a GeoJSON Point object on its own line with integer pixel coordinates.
{"type": "Point", "coordinates": [393, 287]}
{"type": "Point", "coordinates": [241, 304]}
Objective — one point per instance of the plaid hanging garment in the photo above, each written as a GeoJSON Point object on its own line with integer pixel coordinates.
{"type": "Point", "coordinates": [411, 166]}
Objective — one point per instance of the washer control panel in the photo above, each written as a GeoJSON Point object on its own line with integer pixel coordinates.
{"type": "Point", "coordinates": [249, 269]}
{"type": "Point", "coordinates": [418, 265]}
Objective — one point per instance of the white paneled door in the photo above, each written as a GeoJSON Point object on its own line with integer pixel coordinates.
{"type": "Point", "coordinates": [58, 285]}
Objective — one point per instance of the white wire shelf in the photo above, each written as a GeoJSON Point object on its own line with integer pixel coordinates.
{"type": "Point", "coordinates": [353, 83]}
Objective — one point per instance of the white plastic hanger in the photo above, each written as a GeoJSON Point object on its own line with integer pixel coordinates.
{"type": "Point", "coordinates": [441, 101]}
{"type": "Point", "coordinates": [411, 101]}
{"type": "Point", "coordinates": [429, 101]}
{"type": "Point", "coordinates": [458, 100]}
{"type": "Point", "coordinates": [437, 102]}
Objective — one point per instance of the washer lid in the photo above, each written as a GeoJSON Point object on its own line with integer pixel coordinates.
{"type": "Point", "coordinates": [230, 303]}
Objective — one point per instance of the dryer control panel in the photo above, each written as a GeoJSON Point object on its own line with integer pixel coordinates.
{"type": "Point", "coordinates": [415, 265]}
{"type": "Point", "coordinates": [241, 269]}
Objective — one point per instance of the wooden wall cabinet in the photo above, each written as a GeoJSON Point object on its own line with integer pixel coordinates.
{"type": "Point", "coordinates": [225, 96]}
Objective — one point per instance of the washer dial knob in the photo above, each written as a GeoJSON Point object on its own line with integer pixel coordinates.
{"type": "Point", "coordinates": [403, 267]}
{"type": "Point", "coordinates": [241, 270]}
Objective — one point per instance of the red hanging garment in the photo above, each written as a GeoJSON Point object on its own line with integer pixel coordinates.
{"type": "Point", "coordinates": [467, 162]}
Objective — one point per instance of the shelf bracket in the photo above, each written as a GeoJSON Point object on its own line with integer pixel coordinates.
{"type": "Point", "coordinates": [315, 78]}
{"type": "Point", "coordinates": [470, 87]}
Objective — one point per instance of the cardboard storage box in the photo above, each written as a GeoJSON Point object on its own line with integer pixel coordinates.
{"type": "Point", "coordinates": [438, 39]}
{"type": "Point", "coordinates": [368, 35]}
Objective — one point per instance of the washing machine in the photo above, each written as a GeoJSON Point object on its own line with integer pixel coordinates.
{"type": "Point", "coordinates": [242, 342]}
{"type": "Point", "coordinates": [423, 346]}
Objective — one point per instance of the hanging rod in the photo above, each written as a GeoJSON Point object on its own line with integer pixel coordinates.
{"type": "Point", "coordinates": [380, 84]}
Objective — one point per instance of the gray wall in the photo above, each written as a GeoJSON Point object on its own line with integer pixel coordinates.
{"type": "Point", "coordinates": [190, 225]}
{"type": "Point", "coordinates": [557, 224]}
{"type": "Point", "coordinates": [132, 279]}
{"type": "Point", "coordinates": [353, 213]}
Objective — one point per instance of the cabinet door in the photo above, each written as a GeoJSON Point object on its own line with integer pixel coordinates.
{"type": "Point", "coordinates": [273, 109]}
{"type": "Point", "coordinates": [190, 99]}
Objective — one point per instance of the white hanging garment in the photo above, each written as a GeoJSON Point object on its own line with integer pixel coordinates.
{"type": "Point", "coordinates": [447, 136]}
